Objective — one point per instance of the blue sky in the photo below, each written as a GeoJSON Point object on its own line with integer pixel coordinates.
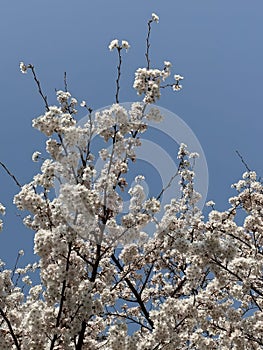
{"type": "Point", "coordinates": [216, 45]}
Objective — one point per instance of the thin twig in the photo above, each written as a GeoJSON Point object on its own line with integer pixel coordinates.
{"type": "Point", "coordinates": [255, 301]}
{"type": "Point", "coordinates": [128, 318]}
{"type": "Point", "coordinates": [90, 134]}
{"type": "Point", "coordinates": [148, 44]}
{"type": "Point", "coordinates": [44, 97]}
{"type": "Point", "coordinates": [242, 160]}
{"type": "Point", "coordinates": [169, 183]}
{"type": "Point", "coordinates": [11, 175]}
{"type": "Point", "coordinates": [14, 269]}
{"type": "Point", "coordinates": [65, 82]}
{"type": "Point", "coordinates": [118, 75]}
{"type": "Point", "coordinates": [147, 278]}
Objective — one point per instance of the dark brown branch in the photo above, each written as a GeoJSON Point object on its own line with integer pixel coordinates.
{"type": "Point", "coordinates": [10, 328]}
{"type": "Point", "coordinates": [169, 183]}
{"type": "Point", "coordinates": [65, 82]}
{"type": "Point", "coordinates": [128, 318]}
{"type": "Point", "coordinates": [92, 279]}
{"type": "Point", "coordinates": [243, 161]}
{"type": "Point", "coordinates": [179, 286]}
{"type": "Point", "coordinates": [118, 75]}
{"type": "Point", "coordinates": [146, 279]}
{"type": "Point", "coordinates": [251, 337]}
{"type": "Point", "coordinates": [14, 269]}
{"type": "Point", "coordinates": [81, 336]}
{"type": "Point", "coordinates": [49, 213]}
{"type": "Point", "coordinates": [148, 44]}
{"type": "Point", "coordinates": [237, 276]}
{"type": "Point", "coordinates": [44, 97]}
{"type": "Point", "coordinates": [62, 297]}
{"type": "Point", "coordinates": [11, 175]}
{"type": "Point", "coordinates": [96, 264]}
{"type": "Point", "coordinates": [255, 301]}
{"type": "Point", "coordinates": [135, 292]}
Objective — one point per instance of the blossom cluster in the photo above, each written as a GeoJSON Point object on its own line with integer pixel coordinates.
{"type": "Point", "coordinates": [105, 283]}
{"type": "Point", "coordinates": [114, 44]}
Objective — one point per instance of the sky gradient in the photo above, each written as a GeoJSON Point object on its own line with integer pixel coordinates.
{"type": "Point", "coordinates": [216, 45]}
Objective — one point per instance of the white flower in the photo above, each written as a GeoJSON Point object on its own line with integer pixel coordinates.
{"type": "Point", "coordinates": [167, 64]}
{"type": "Point", "coordinates": [253, 175]}
{"type": "Point", "coordinates": [155, 115]}
{"type": "Point", "coordinates": [250, 174]}
{"type": "Point", "coordinates": [27, 280]}
{"type": "Point", "coordinates": [23, 67]}
{"type": "Point", "coordinates": [63, 96]}
{"type": "Point", "coordinates": [73, 101]}
{"type": "Point", "coordinates": [104, 154]}
{"type": "Point", "coordinates": [147, 81]}
{"type": "Point", "coordinates": [178, 77]}
{"type": "Point", "coordinates": [2, 209]}
{"type": "Point", "coordinates": [114, 44]}
{"type": "Point", "coordinates": [152, 205]}
{"type": "Point", "coordinates": [83, 104]}
{"type": "Point", "coordinates": [210, 204]}
{"type": "Point", "coordinates": [125, 45]}
{"type": "Point", "coordinates": [194, 155]}
{"type": "Point", "coordinates": [139, 178]}
{"type": "Point", "coordinates": [155, 18]}
{"type": "Point", "coordinates": [21, 252]}
{"type": "Point", "coordinates": [35, 156]}
{"type": "Point", "coordinates": [177, 87]}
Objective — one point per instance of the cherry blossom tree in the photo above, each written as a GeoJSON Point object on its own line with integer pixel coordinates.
{"type": "Point", "coordinates": [105, 282]}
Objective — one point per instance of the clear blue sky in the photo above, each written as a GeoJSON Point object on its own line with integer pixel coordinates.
{"type": "Point", "coordinates": [216, 45]}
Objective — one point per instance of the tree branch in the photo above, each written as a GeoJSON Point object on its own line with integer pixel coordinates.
{"type": "Point", "coordinates": [11, 175]}
{"type": "Point", "coordinates": [62, 297]}
{"type": "Point", "coordinates": [44, 97]}
{"type": "Point", "coordinates": [10, 328]}
{"type": "Point", "coordinates": [134, 291]}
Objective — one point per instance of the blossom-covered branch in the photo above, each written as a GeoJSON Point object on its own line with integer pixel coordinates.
{"type": "Point", "coordinates": [150, 278]}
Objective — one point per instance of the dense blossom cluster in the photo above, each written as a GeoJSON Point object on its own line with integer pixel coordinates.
{"type": "Point", "coordinates": [107, 284]}
{"type": "Point", "coordinates": [148, 82]}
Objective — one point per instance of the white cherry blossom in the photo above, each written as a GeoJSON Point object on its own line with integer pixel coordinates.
{"type": "Point", "coordinates": [102, 280]}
